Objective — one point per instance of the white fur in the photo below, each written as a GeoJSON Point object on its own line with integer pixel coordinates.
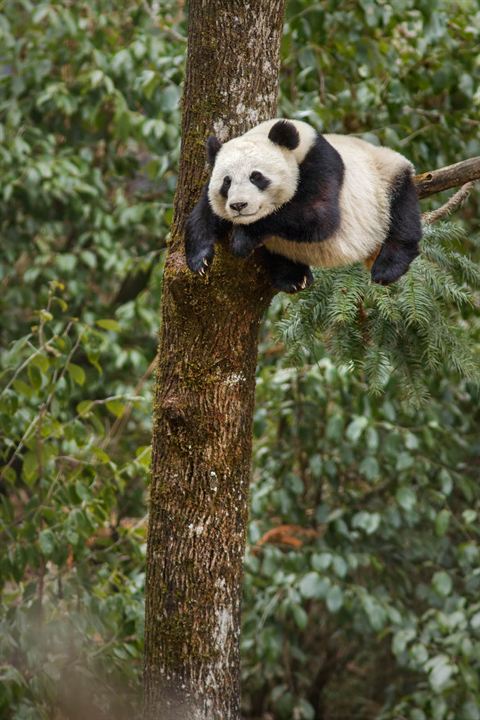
{"type": "Point", "coordinates": [370, 172]}
{"type": "Point", "coordinates": [239, 157]}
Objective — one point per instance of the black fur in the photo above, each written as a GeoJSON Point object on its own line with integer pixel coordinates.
{"type": "Point", "coordinates": [285, 134]}
{"type": "Point", "coordinates": [225, 187]}
{"type": "Point", "coordinates": [404, 233]}
{"type": "Point", "coordinates": [203, 229]}
{"type": "Point", "coordinates": [259, 180]}
{"type": "Point", "coordinates": [285, 274]}
{"type": "Point", "coordinates": [213, 146]}
{"type": "Point", "coordinates": [243, 243]}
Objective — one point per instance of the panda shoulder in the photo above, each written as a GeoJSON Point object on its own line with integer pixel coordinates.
{"type": "Point", "coordinates": [388, 163]}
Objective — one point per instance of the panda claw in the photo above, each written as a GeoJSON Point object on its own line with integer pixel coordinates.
{"type": "Point", "coordinates": [300, 286]}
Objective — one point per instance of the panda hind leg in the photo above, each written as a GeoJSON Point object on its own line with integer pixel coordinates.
{"type": "Point", "coordinates": [404, 233]}
{"type": "Point", "coordinates": [286, 275]}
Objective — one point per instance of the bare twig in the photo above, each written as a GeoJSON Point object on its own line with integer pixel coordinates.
{"type": "Point", "coordinates": [450, 206]}
{"type": "Point", "coordinates": [166, 29]}
{"type": "Point", "coordinates": [435, 181]}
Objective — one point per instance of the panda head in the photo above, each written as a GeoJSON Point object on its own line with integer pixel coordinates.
{"type": "Point", "coordinates": [255, 174]}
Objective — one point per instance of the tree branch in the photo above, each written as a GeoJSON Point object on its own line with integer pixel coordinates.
{"type": "Point", "coordinates": [451, 176]}
{"type": "Point", "coordinates": [450, 206]}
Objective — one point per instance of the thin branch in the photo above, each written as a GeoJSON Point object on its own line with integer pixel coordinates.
{"type": "Point", "coordinates": [451, 176]}
{"type": "Point", "coordinates": [166, 29]}
{"type": "Point", "coordinates": [450, 206]}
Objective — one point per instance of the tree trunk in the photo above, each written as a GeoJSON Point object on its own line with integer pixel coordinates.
{"type": "Point", "coordinates": [205, 389]}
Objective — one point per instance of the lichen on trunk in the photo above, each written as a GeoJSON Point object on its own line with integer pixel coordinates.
{"type": "Point", "coordinates": [205, 389]}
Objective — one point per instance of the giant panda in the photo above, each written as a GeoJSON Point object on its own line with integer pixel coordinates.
{"type": "Point", "coordinates": [308, 199]}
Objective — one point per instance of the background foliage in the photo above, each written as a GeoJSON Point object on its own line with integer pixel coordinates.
{"type": "Point", "coordinates": [362, 578]}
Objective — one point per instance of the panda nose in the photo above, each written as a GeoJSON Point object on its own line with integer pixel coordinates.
{"type": "Point", "coordinates": [238, 206]}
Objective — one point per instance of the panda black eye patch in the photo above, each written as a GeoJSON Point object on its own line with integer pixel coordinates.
{"type": "Point", "coordinates": [259, 180]}
{"type": "Point", "coordinates": [227, 181]}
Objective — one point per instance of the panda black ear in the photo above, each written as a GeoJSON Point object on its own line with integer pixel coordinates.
{"type": "Point", "coordinates": [213, 146]}
{"type": "Point", "coordinates": [284, 133]}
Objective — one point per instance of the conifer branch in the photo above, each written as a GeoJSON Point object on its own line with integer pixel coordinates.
{"type": "Point", "coordinates": [435, 181]}
{"type": "Point", "coordinates": [450, 206]}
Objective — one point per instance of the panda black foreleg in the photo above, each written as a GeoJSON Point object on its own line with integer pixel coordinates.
{"type": "Point", "coordinates": [404, 233]}
{"type": "Point", "coordinates": [202, 230]}
{"type": "Point", "coordinates": [286, 275]}
{"type": "Point", "coordinates": [243, 242]}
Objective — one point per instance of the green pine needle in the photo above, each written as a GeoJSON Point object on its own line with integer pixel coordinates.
{"type": "Point", "coordinates": [411, 331]}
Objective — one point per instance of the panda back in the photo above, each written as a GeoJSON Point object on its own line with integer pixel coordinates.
{"type": "Point", "coordinates": [386, 163]}
{"type": "Point", "coordinates": [371, 173]}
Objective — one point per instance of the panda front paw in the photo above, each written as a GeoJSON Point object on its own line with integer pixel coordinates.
{"type": "Point", "coordinates": [242, 244]}
{"type": "Point", "coordinates": [199, 260]}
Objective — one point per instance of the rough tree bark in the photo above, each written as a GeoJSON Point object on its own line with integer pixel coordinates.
{"type": "Point", "coordinates": [205, 389]}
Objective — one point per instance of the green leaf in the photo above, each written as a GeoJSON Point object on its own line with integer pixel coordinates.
{"type": "Point", "coordinates": [441, 670]}
{"type": "Point", "coordinates": [313, 586]}
{"type": "Point", "coordinates": [116, 407]}
{"type": "Point", "coordinates": [340, 566]}
{"type": "Point", "coordinates": [419, 653]}
{"type": "Point", "coordinates": [143, 455]}
{"type": "Point", "coordinates": [101, 455]}
{"type": "Point", "coordinates": [404, 461]}
{"type": "Point", "coordinates": [334, 599]}
{"type": "Point", "coordinates": [356, 428]}
{"type": "Point", "coordinates": [442, 521]}
{"type": "Point", "coordinates": [334, 427]}
{"type": "Point", "coordinates": [84, 407]}
{"type": "Point", "coordinates": [321, 561]}
{"type": "Point", "coordinates": [35, 376]}
{"type": "Point", "coordinates": [372, 438]}
{"type": "Point", "coordinates": [24, 389]}
{"type": "Point", "coordinates": [109, 324]}
{"type": "Point", "coordinates": [41, 362]}
{"type": "Point", "coordinates": [469, 516]}
{"type": "Point", "coordinates": [77, 373]}
{"type": "Point", "coordinates": [83, 491]}
{"type": "Point", "coordinates": [442, 582]}
{"type": "Point", "coordinates": [316, 465]}
{"type": "Point", "coordinates": [304, 710]}
{"type": "Point", "coordinates": [401, 640]}
{"type": "Point", "coordinates": [375, 612]}
{"type": "Point", "coordinates": [46, 541]}
{"type": "Point", "coordinates": [300, 616]}
{"type": "Point", "coordinates": [475, 621]}
{"type": "Point", "coordinates": [369, 522]}
{"type": "Point", "coordinates": [369, 467]}
{"type": "Point", "coordinates": [30, 467]}
{"type": "Point", "coordinates": [406, 498]}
